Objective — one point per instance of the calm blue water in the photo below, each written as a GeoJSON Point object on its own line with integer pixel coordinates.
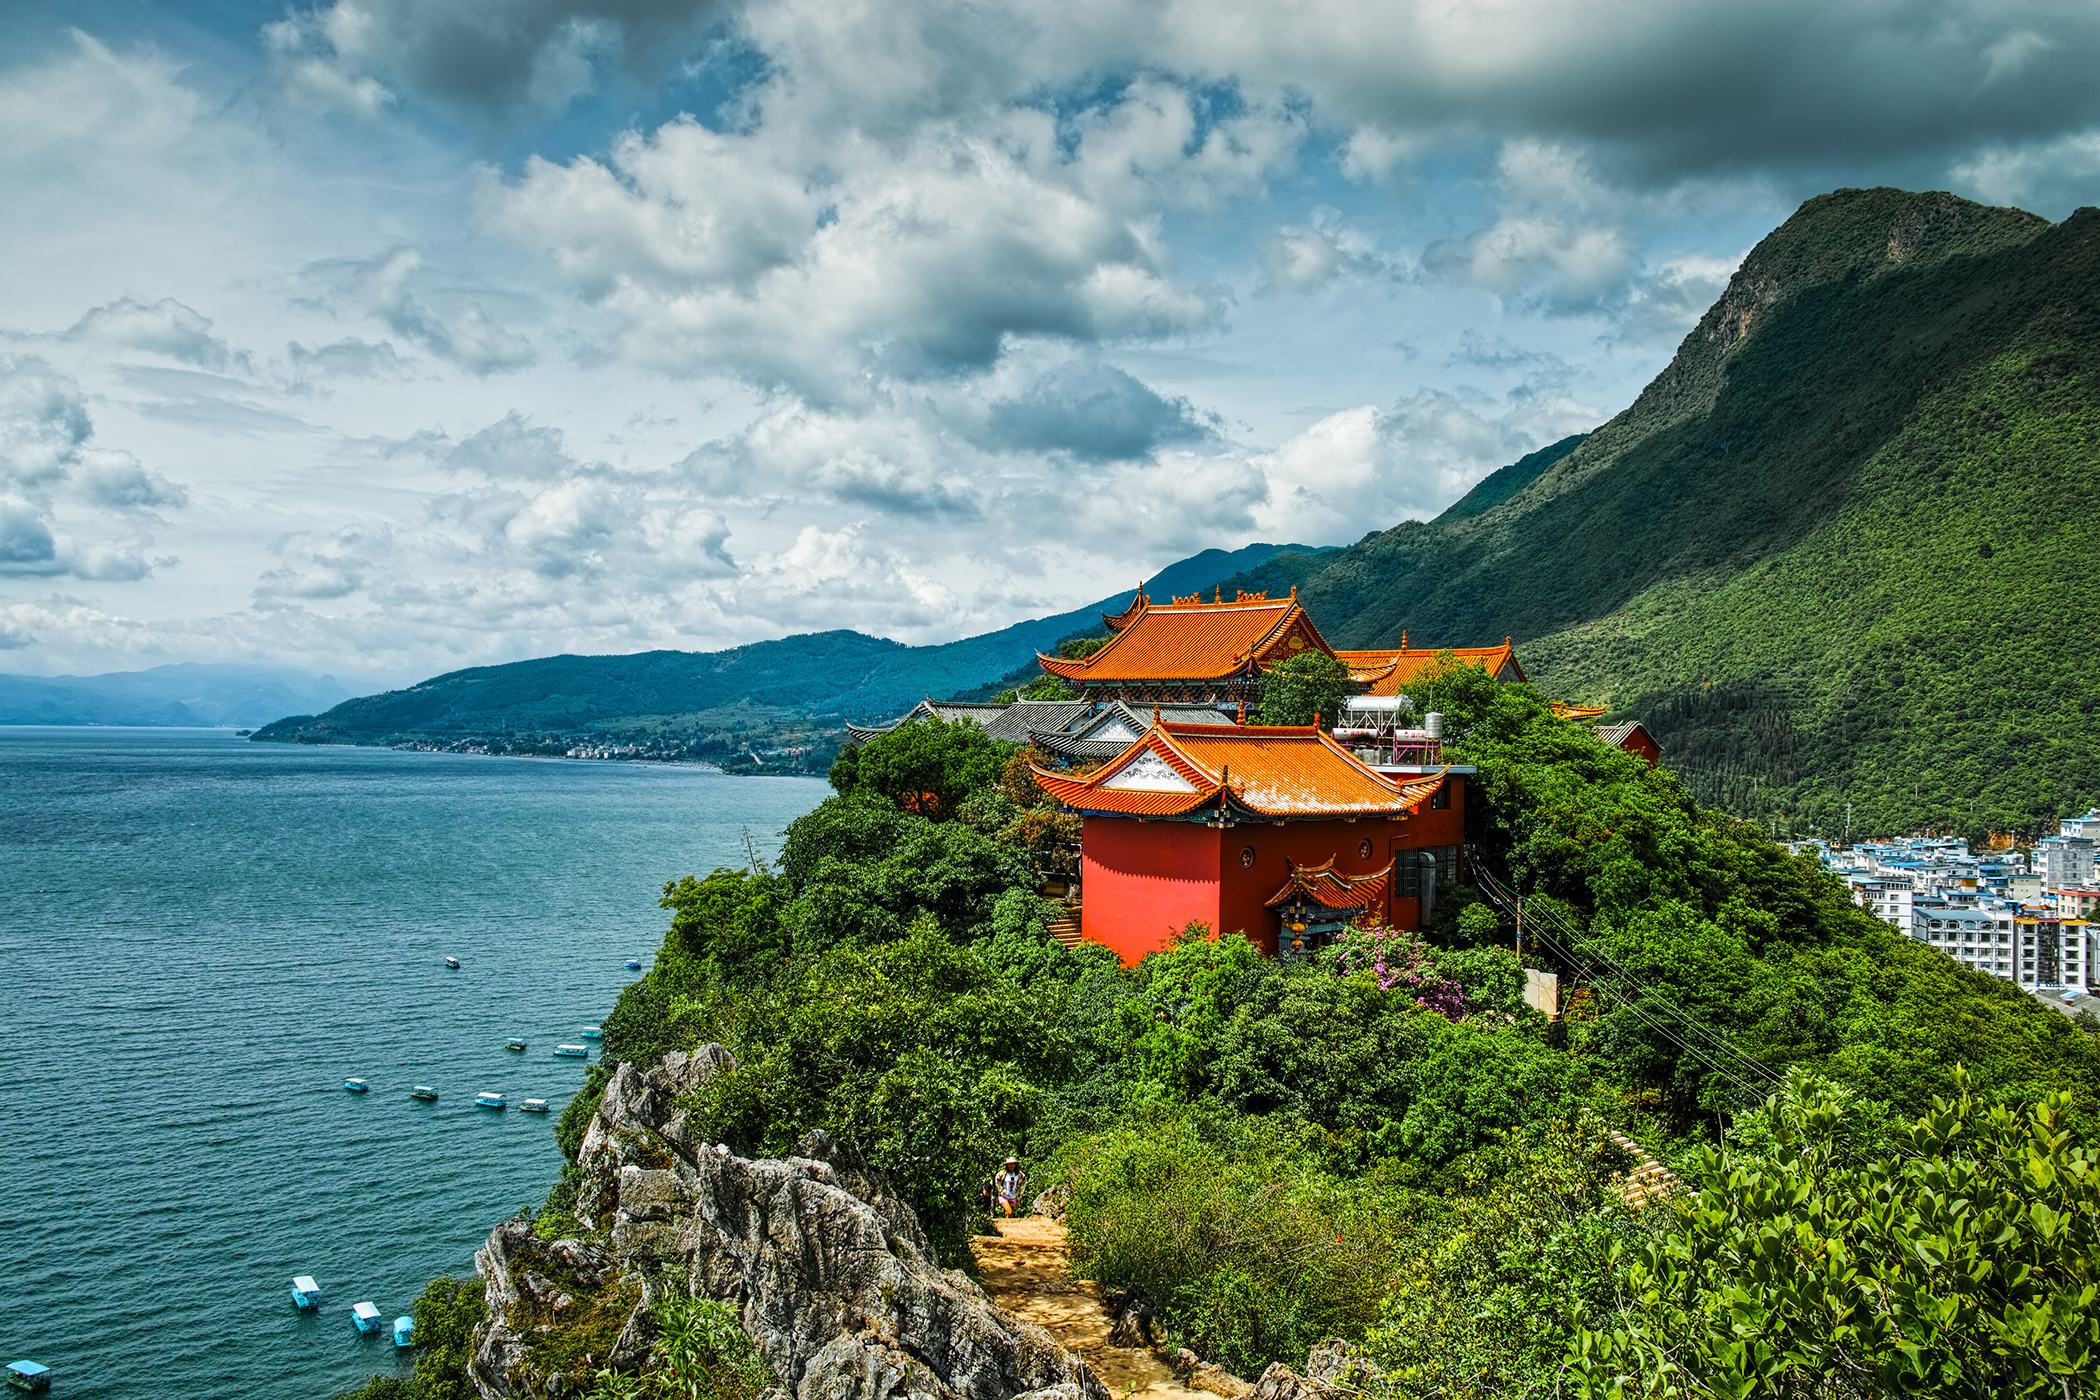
{"type": "Point", "coordinates": [201, 937]}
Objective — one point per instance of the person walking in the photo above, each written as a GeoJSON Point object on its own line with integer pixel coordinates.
{"type": "Point", "coordinates": [1009, 1187]}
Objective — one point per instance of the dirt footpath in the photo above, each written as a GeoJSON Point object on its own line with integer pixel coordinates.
{"type": "Point", "coordinates": [1025, 1270]}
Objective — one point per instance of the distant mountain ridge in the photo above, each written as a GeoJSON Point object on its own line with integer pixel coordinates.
{"type": "Point", "coordinates": [1842, 550]}
{"type": "Point", "coordinates": [795, 690]}
{"type": "Point", "coordinates": [184, 694]}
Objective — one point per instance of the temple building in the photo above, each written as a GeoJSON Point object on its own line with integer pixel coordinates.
{"type": "Point", "coordinates": [1190, 651]}
{"type": "Point", "coordinates": [1011, 724]}
{"type": "Point", "coordinates": [1386, 671]}
{"type": "Point", "coordinates": [1278, 833]}
{"type": "Point", "coordinates": [1632, 736]}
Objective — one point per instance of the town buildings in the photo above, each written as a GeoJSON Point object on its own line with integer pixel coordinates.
{"type": "Point", "coordinates": [2026, 917]}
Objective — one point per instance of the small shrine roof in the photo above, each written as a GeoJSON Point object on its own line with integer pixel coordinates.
{"type": "Point", "coordinates": [1274, 771]}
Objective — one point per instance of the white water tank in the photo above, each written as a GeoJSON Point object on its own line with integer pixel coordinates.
{"type": "Point", "coordinates": [1433, 724]}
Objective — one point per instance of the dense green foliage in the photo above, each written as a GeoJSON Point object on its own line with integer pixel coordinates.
{"type": "Point", "coordinates": [1303, 689]}
{"type": "Point", "coordinates": [1382, 1144]}
{"type": "Point", "coordinates": [1957, 1257]}
{"type": "Point", "coordinates": [1831, 553]}
{"type": "Point", "coordinates": [717, 705]}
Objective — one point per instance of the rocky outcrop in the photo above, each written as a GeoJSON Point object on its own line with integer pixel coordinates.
{"type": "Point", "coordinates": [1333, 1368]}
{"type": "Point", "coordinates": [831, 1274]}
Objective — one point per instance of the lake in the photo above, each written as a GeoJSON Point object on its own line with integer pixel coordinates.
{"type": "Point", "coordinates": [201, 937]}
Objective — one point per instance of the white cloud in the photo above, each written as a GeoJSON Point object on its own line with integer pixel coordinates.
{"type": "Point", "coordinates": [484, 59]}
{"type": "Point", "coordinates": [451, 324]}
{"type": "Point", "coordinates": [114, 480]}
{"type": "Point", "coordinates": [165, 327]}
{"type": "Point", "coordinates": [912, 257]}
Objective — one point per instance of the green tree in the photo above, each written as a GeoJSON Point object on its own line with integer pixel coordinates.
{"type": "Point", "coordinates": [926, 766]}
{"type": "Point", "coordinates": [1309, 686]}
{"type": "Point", "coordinates": [1962, 1257]}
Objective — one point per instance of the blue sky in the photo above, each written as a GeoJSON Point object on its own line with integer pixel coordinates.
{"type": "Point", "coordinates": [387, 336]}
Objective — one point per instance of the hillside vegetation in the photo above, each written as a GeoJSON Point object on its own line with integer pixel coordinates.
{"type": "Point", "coordinates": [1841, 550]}
{"type": "Point", "coordinates": [1384, 1143]}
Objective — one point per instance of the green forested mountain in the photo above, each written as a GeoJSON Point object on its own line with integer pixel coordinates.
{"type": "Point", "coordinates": [1842, 549]}
{"type": "Point", "coordinates": [721, 702]}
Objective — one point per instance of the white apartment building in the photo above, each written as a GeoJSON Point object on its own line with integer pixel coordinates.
{"type": "Point", "coordinates": [2050, 951]}
{"type": "Point", "coordinates": [2085, 828]}
{"type": "Point", "coordinates": [1887, 897]}
{"type": "Point", "coordinates": [1982, 938]}
{"type": "Point", "coordinates": [2064, 862]}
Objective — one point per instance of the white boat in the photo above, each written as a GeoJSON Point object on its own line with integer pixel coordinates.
{"type": "Point", "coordinates": [485, 1099]}
{"type": "Point", "coordinates": [452, 962]}
{"type": "Point", "coordinates": [533, 1106]}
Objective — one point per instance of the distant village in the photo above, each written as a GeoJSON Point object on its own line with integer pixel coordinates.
{"type": "Point", "coordinates": [2028, 916]}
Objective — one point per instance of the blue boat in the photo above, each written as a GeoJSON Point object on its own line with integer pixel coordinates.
{"type": "Point", "coordinates": [306, 1294]}
{"type": "Point", "coordinates": [27, 1375]}
{"type": "Point", "coordinates": [572, 1052]}
{"type": "Point", "coordinates": [488, 1099]}
{"type": "Point", "coordinates": [357, 1086]}
{"type": "Point", "coordinates": [634, 964]}
{"type": "Point", "coordinates": [591, 1033]}
{"type": "Point", "coordinates": [404, 1331]}
{"type": "Point", "coordinates": [452, 962]}
{"type": "Point", "coordinates": [365, 1317]}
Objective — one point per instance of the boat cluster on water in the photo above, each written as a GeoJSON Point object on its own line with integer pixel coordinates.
{"type": "Point", "coordinates": [492, 1098]}
{"type": "Point", "coordinates": [365, 1316]}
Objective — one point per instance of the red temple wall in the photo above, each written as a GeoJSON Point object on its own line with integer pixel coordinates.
{"type": "Point", "coordinates": [1141, 881]}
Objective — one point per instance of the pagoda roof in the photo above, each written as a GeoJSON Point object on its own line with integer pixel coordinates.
{"type": "Point", "coordinates": [1116, 622]}
{"type": "Point", "coordinates": [1618, 734]}
{"type": "Point", "coordinates": [1386, 670]}
{"type": "Point", "coordinates": [1330, 889]}
{"type": "Point", "coordinates": [1260, 770]}
{"type": "Point", "coordinates": [1192, 640]}
{"type": "Point", "coordinates": [1011, 723]}
{"type": "Point", "coordinates": [1110, 728]}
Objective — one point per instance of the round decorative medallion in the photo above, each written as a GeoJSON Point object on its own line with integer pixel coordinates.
{"type": "Point", "coordinates": [1364, 848]}
{"type": "Point", "coordinates": [1246, 857]}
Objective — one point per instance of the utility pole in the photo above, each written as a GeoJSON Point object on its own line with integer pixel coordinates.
{"type": "Point", "coordinates": [1520, 928]}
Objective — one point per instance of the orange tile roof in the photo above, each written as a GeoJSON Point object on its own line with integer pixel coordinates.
{"type": "Point", "coordinates": [1189, 639]}
{"type": "Point", "coordinates": [1324, 886]}
{"type": "Point", "coordinates": [1273, 771]}
{"type": "Point", "coordinates": [1386, 669]}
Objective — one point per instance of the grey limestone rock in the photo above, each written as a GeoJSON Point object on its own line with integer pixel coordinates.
{"type": "Point", "coordinates": [832, 1275]}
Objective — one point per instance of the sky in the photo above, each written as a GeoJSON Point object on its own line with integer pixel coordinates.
{"type": "Point", "coordinates": [384, 337]}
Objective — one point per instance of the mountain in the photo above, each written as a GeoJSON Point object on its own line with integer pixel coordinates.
{"type": "Point", "coordinates": [197, 694]}
{"type": "Point", "coordinates": [791, 693]}
{"type": "Point", "coordinates": [1844, 549]}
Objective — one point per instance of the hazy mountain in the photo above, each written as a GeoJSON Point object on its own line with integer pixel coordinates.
{"type": "Point", "coordinates": [187, 693]}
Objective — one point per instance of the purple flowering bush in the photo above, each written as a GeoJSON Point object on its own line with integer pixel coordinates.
{"type": "Point", "coordinates": [1399, 960]}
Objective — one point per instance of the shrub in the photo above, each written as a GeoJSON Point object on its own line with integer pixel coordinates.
{"type": "Point", "coordinates": [1958, 1260]}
